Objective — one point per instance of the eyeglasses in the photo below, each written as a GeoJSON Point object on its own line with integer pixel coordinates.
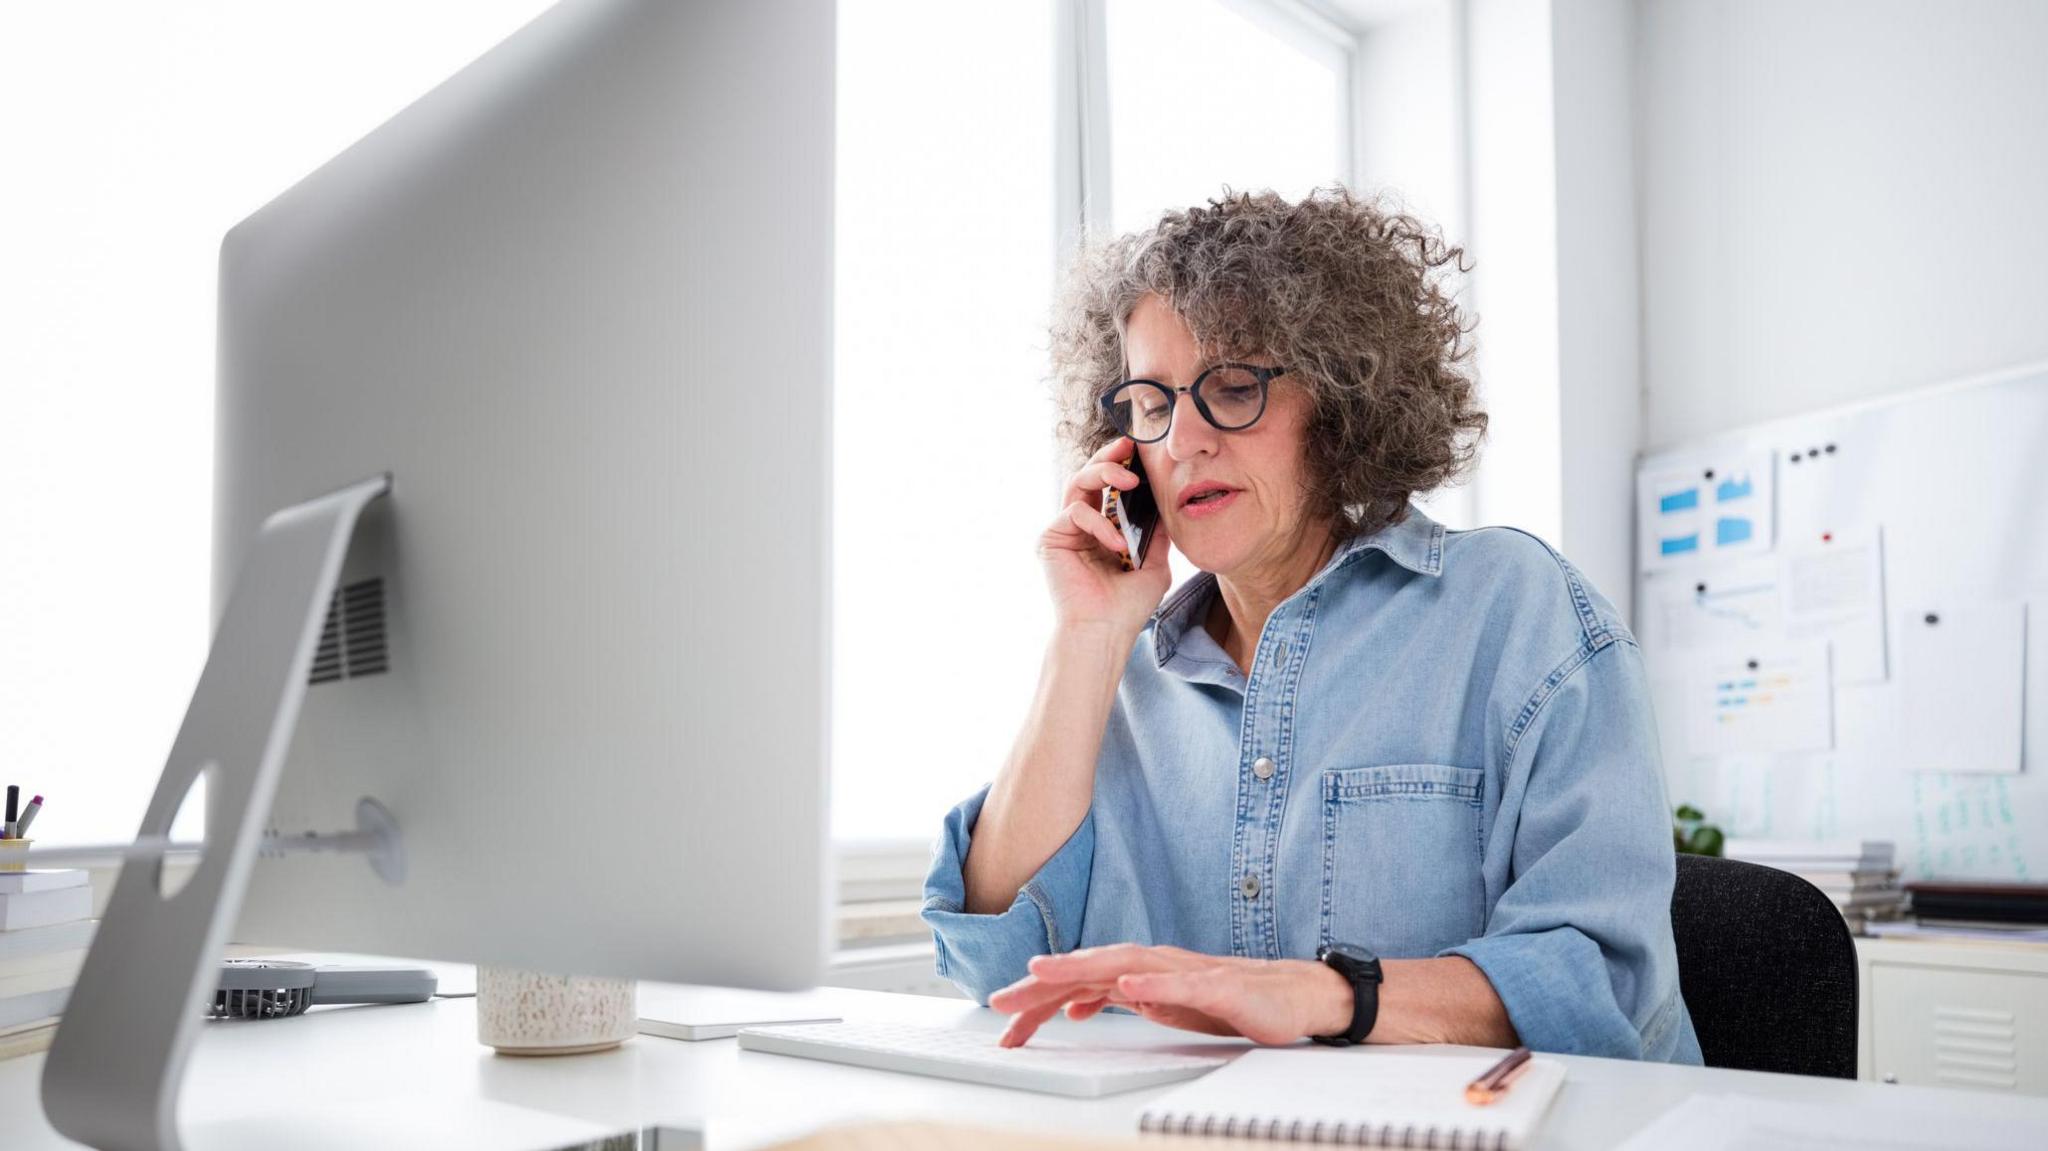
{"type": "Point", "coordinates": [1231, 397]}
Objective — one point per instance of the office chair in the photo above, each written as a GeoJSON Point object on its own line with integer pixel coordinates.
{"type": "Point", "coordinates": [1767, 968]}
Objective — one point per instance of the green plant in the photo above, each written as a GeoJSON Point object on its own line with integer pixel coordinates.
{"type": "Point", "coordinates": [1691, 834]}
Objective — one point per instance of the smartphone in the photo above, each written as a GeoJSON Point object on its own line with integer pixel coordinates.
{"type": "Point", "coordinates": [1134, 513]}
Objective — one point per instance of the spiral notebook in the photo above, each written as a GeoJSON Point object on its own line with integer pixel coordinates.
{"type": "Point", "coordinates": [1357, 1096]}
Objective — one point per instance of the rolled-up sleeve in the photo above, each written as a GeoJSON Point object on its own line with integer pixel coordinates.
{"type": "Point", "coordinates": [1578, 944]}
{"type": "Point", "coordinates": [982, 954]}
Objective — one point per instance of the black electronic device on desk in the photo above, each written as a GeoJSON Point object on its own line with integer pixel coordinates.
{"type": "Point", "coordinates": [274, 988]}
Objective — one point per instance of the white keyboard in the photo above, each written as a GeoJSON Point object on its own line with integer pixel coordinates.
{"type": "Point", "coordinates": [1040, 1065]}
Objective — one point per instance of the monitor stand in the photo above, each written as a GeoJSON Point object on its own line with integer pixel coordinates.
{"type": "Point", "coordinates": [112, 1075]}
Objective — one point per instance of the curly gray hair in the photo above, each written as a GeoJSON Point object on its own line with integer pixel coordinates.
{"type": "Point", "coordinates": [1346, 293]}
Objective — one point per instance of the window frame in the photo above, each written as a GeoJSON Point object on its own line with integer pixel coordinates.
{"type": "Point", "coordinates": [1081, 134]}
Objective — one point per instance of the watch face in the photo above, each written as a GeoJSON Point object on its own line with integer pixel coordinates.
{"type": "Point", "coordinates": [1350, 953]}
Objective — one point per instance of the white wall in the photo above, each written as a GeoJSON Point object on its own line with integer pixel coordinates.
{"type": "Point", "coordinates": [1454, 118]}
{"type": "Point", "coordinates": [1690, 216]}
{"type": "Point", "coordinates": [1407, 119]}
{"type": "Point", "coordinates": [1512, 197]}
{"type": "Point", "coordinates": [1508, 121]}
{"type": "Point", "coordinates": [1408, 137]}
{"type": "Point", "coordinates": [1839, 199]}
{"type": "Point", "coordinates": [1598, 305]}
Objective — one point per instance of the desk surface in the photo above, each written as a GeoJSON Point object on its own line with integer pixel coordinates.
{"type": "Point", "coordinates": [414, 1075]}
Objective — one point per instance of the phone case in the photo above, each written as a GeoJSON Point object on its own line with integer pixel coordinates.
{"type": "Point", "coordinates": [1113, 511]}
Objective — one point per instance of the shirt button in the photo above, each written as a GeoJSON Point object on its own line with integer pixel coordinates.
{"type": "Point", "coordinates": [1262, 767]}
{"type": "Point", "coordinates": [1250, 887]}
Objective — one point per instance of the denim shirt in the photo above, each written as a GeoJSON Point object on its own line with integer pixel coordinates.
{"type": "Point", "coordinates": [1444, 747]}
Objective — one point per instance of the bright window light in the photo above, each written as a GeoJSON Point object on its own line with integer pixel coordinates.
{"type": "Point", "coordinates": [137, 134]}
{"type": "Point", "coordinates": [179, 120]}
{"type": "Point", "coordinates": [944, 472]}
{"type": "Point", "coordinates": [1202, 94]}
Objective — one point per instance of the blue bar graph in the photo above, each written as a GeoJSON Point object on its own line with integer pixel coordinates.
{"type": "Point", "coordinates": [1683, 501]}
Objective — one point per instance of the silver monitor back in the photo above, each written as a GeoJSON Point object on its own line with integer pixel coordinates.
{"type": "Point", "coordinates": [576, 301]}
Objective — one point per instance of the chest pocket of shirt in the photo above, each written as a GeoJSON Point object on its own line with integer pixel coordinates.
{"type": "Point", "coordinates": [1401, 858]}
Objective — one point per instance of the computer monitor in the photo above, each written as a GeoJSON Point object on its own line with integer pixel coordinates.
{"type": "Point", "coordinates": [576, 304]}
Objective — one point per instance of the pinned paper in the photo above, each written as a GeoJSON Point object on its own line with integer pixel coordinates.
{"type": "Point", "coordinates": [1833, 588]}
{"type": "Point", "coordinates": [1714, 510]}
{"type": "Point", "coordinates": [1961, 666]}
{"type": "Point", "coordinates": [1731, 604]}
{"type": "Point", "coordinates": [1764, 699]}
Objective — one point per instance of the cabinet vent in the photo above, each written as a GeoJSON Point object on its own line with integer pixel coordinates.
{"type": "Point", "coordinates": [1974, 1047]}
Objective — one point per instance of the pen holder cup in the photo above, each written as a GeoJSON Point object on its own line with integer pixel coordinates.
{"type": "Point", "coordinates": [14, 854]}
{"type": "Point", "coordinates": [527, 1013]}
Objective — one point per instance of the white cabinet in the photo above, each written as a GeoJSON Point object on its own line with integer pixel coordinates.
{"type": "Point", "coordinates": [1953, 1014]}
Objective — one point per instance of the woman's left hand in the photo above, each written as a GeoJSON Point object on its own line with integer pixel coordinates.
{"type": "Point", "coordinates": [1264, 1000]}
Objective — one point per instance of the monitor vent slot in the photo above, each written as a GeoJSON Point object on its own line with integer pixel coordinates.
{"type": "Point", "coordinates": [352, 641]}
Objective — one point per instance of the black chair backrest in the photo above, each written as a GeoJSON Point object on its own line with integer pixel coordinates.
{"type": "Point", "coordinates": [1767, 967]}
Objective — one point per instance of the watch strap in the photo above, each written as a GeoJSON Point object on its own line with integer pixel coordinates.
{"type": "Point", "coordinates": [1365, 1000]}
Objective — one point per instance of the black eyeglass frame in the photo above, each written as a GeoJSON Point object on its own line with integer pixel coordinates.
{"type": "Point", "coordinates": [1194, 392]}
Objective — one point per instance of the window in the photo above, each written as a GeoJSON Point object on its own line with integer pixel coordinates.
{"type": "Point", "coordinates": [949, 157]}
{"type": "Point", "coordinates": [1204, 93]}
{"type": "Point", "coordinates": [958, 172]}
{"type": "Point", "coordinates": [944, 471]}
{"type": "Point", "coordinates": [177, 121]}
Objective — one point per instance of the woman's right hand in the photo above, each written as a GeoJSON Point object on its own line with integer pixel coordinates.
{"type": "Point", "coordinates": [1081, 552]}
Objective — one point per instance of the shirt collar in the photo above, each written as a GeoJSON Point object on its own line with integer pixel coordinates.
{"type": "Point", "coordinates": [1415, 542]}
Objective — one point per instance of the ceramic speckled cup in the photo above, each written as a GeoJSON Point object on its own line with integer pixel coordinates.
{"type": "Point", "coordinates": [526, 1013]}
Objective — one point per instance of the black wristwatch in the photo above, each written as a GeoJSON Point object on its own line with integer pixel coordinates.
{"type": "Point", "coordinates": [1360, 968]}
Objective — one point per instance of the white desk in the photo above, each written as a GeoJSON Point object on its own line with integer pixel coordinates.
{"type": "Point", "coordinates": [414, 1075]}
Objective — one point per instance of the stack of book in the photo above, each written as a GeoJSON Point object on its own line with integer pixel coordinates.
{"type": "Point", "coordinates": [1981, 909]}
{"type": "Point", "coordinates": [45, 926]}
{"type": "Point", "coordinates": [881, 892]}
{"type": "Point", "coordinates": [1857, 874]}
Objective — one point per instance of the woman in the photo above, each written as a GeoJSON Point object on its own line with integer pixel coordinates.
{"type": "Point", "coordinates": [1352, 735]}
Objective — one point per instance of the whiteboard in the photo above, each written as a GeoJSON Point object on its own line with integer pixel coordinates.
{"type": "Point", "coordinates": [1950, 484]}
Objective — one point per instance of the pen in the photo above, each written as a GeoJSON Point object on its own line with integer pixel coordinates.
{"type": "Point", "coordinates": [1498, 1078]}
{"type": "Point", "coordinates": [28, 816]}
{"type": "Point", "coordinates": [13, 799]}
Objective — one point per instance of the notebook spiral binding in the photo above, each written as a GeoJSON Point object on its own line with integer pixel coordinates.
{"type": "Point", "coordinates": [1431, 1138]}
